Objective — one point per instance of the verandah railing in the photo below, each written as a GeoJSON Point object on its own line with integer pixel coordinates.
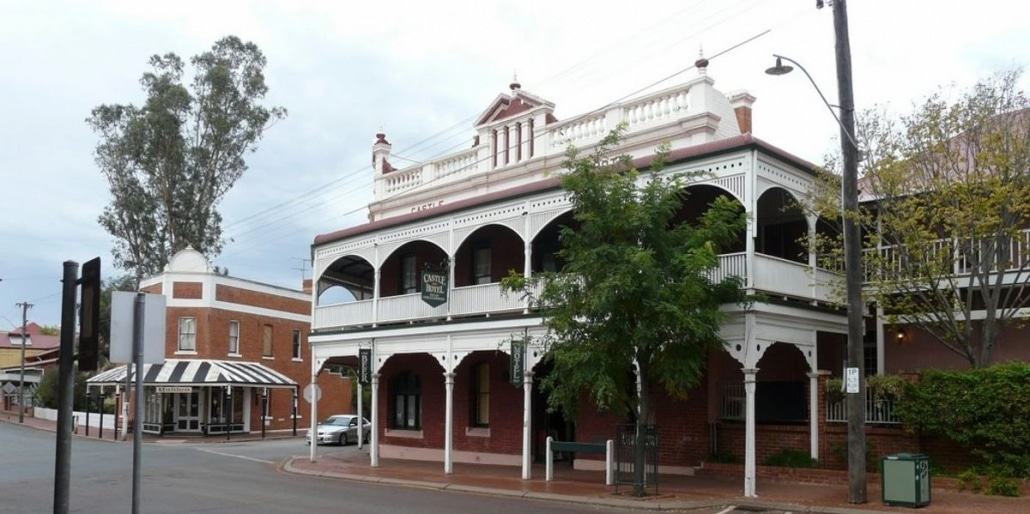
{"type": "Point", "coordinates": [878, 409]}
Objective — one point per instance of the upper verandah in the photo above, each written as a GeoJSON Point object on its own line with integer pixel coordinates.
{"type": "Point", "coordinates": [518, 140]}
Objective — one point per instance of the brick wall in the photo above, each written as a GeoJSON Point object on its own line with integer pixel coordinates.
{"type": "Point", "coordinates": [188, 290]}
{"type": "Point", "coordinates": [224, 293]}
{"type": "Point", "coordinates": [504, 435]}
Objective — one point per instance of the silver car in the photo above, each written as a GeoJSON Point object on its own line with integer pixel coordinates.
{"type": "Point", "coordinates": [341, 429]}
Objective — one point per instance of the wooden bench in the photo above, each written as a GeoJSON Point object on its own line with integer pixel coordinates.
{"type": "Point", "coordinates": [606, 448]}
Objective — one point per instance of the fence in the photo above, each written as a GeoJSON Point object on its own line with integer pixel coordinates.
{"type": "Point", "coordinates": [877, 410]}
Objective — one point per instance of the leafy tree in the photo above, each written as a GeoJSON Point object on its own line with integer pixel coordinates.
{"type": "Point", "coordinates": [170, 161]}
{"type": "Point", "coordinates": [949, 206]}
{"type": "Point", "coordinates": [634, 306]}
{"type": "Point", "coordinates": [50, 330]}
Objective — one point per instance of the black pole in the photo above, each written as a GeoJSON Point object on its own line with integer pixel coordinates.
{"type": "Point", "coordinates": [295, 391]}
{"type": "Point", "coordinates": [89, 400]}
{"type": "Point", "coordinates": [138, 320]}
{"type": "Point", "coordinates": [852, 257]}
{"type": "Point", "coordinates": [66, 388]}
{"type": "Point", "coordinates": [228, 414]}
{"type": "Point", "coordinates": [117, 407]}
{"type": "Point", "coordinates": [264, 410]}
{"type": "Point", "coordinates": [100, 431]}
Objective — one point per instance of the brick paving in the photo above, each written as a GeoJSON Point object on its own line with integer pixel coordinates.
{"type": "Point", "coordinates": [702, 493]}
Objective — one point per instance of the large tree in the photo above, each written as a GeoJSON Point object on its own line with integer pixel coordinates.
{"type": "Point", "coordinates": [947, 219]}
{"type": "Point", "coordinates": [170, 161]}
{"type": "Point", "coordinates": [635, 305]}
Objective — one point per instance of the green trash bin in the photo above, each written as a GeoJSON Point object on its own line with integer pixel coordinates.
{"type": "Point", "coordinates": [906, 480]}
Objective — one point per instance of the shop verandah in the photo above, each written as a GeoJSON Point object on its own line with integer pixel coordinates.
{"type": "Point", "coordinates": [205, 397]}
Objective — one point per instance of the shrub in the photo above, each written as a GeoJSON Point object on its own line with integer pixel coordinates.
{"type": "Point", "coordinates": [976, 410]}
{"type": "Point", "coordinates": [1002, 486]}
{"type": "Point", "coordinates": [788, 458]}
{"type": "Point", "coordinates": [969, 480]}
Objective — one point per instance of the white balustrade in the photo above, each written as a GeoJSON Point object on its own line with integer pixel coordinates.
{"type": "Point", "coordinates": [343, 314]}
{"type": "Point", "coordinates": [483, 298]}
{"type": "Point", "coordinates": [407, 307]}
{"type": "Point", "coordinates": [656, 109]}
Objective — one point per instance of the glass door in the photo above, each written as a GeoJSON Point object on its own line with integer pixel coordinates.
{"type": "Point", "coordinates": [187, 409]}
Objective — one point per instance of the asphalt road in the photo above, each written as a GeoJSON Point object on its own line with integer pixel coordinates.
{"type": "Point", "coordinates": [215, 478]}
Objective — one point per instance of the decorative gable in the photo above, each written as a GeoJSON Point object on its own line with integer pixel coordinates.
{"type": "Point", "coordinates": [511, 105]}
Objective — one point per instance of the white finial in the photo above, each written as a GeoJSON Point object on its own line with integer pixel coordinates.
{"type": "Point", "coordinates": [701, 63]}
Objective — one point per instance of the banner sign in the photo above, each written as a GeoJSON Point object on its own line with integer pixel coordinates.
{"type": "Point", "coordinates": [174, 389]}
{"type": "Point", "coordinates": [434, 286]}
{"type": "Point", "coordinates": [518, 363]}
{"type": "Point", "coordinates": [365, 366]}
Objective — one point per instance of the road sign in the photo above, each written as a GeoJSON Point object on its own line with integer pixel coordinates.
{"type": "Point", "coordinates": [312, 391]}
{"type": "Point", "coordinates": [851, 381]}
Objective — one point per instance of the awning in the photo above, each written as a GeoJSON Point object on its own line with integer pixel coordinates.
{"type": "Point", "coordinates": [199, 372]}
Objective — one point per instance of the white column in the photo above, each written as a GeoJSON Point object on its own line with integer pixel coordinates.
{"type": "Point", "coordinates": [813, 418]}
{"type": "Point", "coordinates": [375, 296]}
{"type": "Point", "coordinates": [448, 426]}
{"type": "Point", "coordinates": [314, 408]}
{"type": "Point", "coordinates": [527, 268]}
{"type": "Point", "coordinates": [749, 433]}
{"type": "Point", "coordinates": [374, 451]}
{"type": "Point", "coordinates": [527, 424]}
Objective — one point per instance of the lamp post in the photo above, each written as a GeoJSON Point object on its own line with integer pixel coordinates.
{"type": "Point", "coordinates": [857, 490]}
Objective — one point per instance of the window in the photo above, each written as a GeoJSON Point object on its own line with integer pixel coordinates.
{"type": "Point", "coordinates": [409, 277]}
{"type": "Point", "coordinates": [296, 343]}
{"type": "Point", "coordinates": [266, 341]}
{"type": "Point", "coordinates": [187, 334]}
{"type": "Point", "coordinates": [407, 402]}
{"type": "Point", "coordinates": [481, 395]}
{"type": "Point", "coordinates": [234, 337]}
{"type": "Point", "coordinates": [481, 265]}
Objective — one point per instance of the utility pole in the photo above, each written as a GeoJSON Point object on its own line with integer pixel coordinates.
{"type": "Point", "coordinates": [25, 306]}
{"type": "Point", "coordinates": [857, 490]}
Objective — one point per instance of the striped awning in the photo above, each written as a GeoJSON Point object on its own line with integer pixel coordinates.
{"type": "Point", "coordinates": [199, 372]}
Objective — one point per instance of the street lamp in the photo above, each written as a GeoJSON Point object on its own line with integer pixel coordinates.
{"type": "Point", "coordinates": [852, 241]}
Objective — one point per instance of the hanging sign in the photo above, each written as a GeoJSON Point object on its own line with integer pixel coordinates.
{"type": "Point", "coordinates": [434, 286]}
{"type": "Point", "coordinates": [365, 366]}
{"type": "Point", "coordinates": [518, 363]}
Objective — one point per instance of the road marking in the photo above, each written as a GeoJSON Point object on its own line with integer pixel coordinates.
{"type": "Point", "coordinates": [236, 456]}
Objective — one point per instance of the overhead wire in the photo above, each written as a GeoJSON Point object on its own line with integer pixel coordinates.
{"type": "Point", "coordinates": [324, 189]}
{"type": "Point", "coordinates": [275, 235]}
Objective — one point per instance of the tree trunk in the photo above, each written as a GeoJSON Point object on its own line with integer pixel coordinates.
{"type": "Point", "coordinates": [640, 434]}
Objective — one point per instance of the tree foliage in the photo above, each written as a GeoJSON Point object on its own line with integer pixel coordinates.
{"type": "Point", "coordinates": [948, 207]}
{"type": "Point", "coordinates": [635, 296]}
{"type": "Point", "coordinates": [170, 161]}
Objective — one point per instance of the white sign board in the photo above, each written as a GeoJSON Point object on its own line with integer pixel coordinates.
{"type": "Point", "coordinates": [851, 381]}
{"type": "Point", "coordinates": [312, 391]}
{"type": "Point", "coordinates": [122, 305]}
{"type": "Point", "coordinates": [174, 389]}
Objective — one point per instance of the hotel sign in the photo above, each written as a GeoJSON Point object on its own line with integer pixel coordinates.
{"type": "Point", "coordinates": [517, 372]}
{"type": "Point", "coordinates": [174, 389]}
{"type": "Point", "coordinates": [434, 286]}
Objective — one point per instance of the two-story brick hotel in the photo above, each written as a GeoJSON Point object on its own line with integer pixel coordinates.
{"type": "Point", "coordinates": [440, 377]}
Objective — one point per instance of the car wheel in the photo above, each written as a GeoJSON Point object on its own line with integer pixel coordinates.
{"type": "Point", "coordinates": [343, 439]}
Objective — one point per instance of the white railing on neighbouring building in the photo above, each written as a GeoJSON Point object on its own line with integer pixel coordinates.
{"type": "Point", "coordinates": [877, 410]}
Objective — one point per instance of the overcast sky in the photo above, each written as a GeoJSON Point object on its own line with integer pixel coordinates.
{"type": "Point", "coordinates": [419, 70]}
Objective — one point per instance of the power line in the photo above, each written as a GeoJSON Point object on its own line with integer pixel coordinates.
{"type": "Point", "coordinates": [325, 188]}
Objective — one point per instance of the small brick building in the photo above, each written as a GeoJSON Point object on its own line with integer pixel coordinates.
{"type": "Point", "coordinates": [236, 356]}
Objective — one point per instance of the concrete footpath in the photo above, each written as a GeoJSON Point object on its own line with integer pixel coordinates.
{"type": "Point", "coordinates": [683, 493]}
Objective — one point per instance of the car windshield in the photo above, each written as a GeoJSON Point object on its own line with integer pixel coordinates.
{"type": "Point", "coordinates": [337, 420]}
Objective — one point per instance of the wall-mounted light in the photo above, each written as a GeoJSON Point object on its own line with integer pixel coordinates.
{"type": "Point", "coordinates": [900, 336]}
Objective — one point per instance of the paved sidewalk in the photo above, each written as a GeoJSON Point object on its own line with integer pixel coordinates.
{"type": "Point", "coordinates": [703, 492]}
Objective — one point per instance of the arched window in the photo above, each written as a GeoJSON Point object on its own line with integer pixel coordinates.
{"type": "Point", "coordinates": [407, 402]}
